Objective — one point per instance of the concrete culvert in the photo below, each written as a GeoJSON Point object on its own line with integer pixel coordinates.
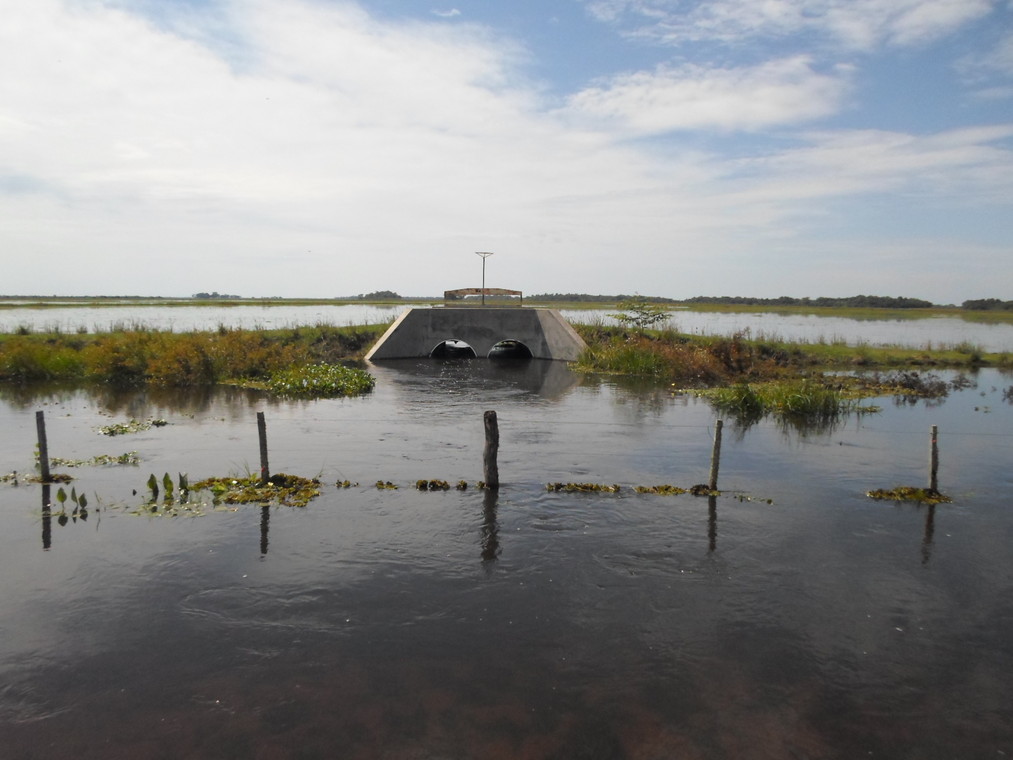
{"type": "Point", "coordinates": [453, 349]}
{"type": "Point", "coordinates": [510, 350]}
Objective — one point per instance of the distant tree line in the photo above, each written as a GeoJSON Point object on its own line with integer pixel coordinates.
{"type": "Point", "coordinates": [215, 296]}
{"type": "Point", "coordinates": [875, 302]}
{"type": "Point", "coordinates": [987, 304]}
{"type": "Point", "coordinates": [379, 295]}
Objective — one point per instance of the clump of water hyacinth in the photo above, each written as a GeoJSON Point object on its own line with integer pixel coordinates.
{"type": "Point", "coordinates": [318, 381]}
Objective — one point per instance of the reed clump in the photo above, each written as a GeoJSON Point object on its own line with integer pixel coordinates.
{"type": "Point", "coordinates": [809, 398]}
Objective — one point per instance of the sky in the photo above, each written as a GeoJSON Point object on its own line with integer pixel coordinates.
{"type": "Point", "coordinates": [675, 148]}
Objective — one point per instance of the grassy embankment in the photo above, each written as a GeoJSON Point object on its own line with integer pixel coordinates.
{"type": "Point", "coordinates": [752, 378]}
{"type": "Point", "coordinates": [278, 360]}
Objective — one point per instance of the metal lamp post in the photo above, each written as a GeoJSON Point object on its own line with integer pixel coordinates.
{"type": "Point", "coordinates": [484, 255]}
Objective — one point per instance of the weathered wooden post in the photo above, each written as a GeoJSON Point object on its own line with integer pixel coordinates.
{"type": "Point", "coordinates": [712, 522]}
{"type": "Point", "coordinates": [47, 518]}
{"type": "Point", "coordinates": [934, 461]}
{"type": "Point", "coordinates": [265, 471]}
{"type": "Point", "coordinates": [40, 424]}
{"type": "Point", "coordinates": [712, 484]}
{"type": "Point", "coordinates": [490, 527]}
{"type": "Point", "coordinates": [490, 467]}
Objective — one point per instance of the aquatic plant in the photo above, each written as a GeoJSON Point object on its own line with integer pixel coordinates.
{"type": "Point", "coordinates": [432, 485]}
{"type": "Point", "coordinates": [666, 490]}
{"type": "Point", "coordinates": [385, 485]}
{"type": "Point", "coordinates": [127, 458]}
{"type": "Point", "coordinates": [583, 487]}
{"type": "Point", "coordinates": [909, 493]}
{"type": "Point", "coordinates": [807, 400]}
{"type": "Point", "coordinates": [286, 490]}
{"type": "Point", "coordinates": [319, 381]}
{"type": "Point", "coordinates": [133, 426]}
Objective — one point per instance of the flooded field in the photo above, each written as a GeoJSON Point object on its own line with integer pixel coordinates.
{"type": "Point", "coordinates": [790, 617]}
{"type": "Point", "coordinates": [914, 332]}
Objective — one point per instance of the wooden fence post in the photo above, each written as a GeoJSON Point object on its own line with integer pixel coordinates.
{"type": "Point", "coordinates": [934, 461]}
{"type": "Point", "coordinates": [265, 471]}
{"type": "Point", "coordinates": [490, 467]}
{"type": "Point", "coordinates": [40, 424]}
{"type": "Point", "coordinates": [712, 484]}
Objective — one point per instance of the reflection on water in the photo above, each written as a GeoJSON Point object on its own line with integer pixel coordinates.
{"type": "Point", "coordinates": [788, 617]}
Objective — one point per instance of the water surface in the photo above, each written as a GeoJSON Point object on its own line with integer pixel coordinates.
{"type": "Point", "coordinates": [789, 617]}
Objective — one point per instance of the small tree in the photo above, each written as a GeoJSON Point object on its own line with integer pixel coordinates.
{"type": "Point", "coordinates": [640, 314]}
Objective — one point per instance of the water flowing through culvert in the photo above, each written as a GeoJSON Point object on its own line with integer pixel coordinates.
{"type": "Point", "coordinates": [790, 616]}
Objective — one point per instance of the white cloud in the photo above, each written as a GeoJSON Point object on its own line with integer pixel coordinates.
{"type": "Point", "coordinates": [447, 13]}
{"type": "Point", "coordinates": [321, 151]}
{"type": "Point", "coordinates": [857, 24]}
{"type": "Point", "coordinates": [960, 166]}
{"type": "Point", "coordinates": [776, 93]}
{"type": "Point", "coordinates": [985, 64]}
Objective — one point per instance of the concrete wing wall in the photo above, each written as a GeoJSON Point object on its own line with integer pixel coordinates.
{"type": "Point", "coordinates": [418, 331]}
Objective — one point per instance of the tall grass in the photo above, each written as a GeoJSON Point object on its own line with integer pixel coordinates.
{"type": "Point", "coordinates": [135, 357]}
{"type": "Point", "coordinates": [805, 398]}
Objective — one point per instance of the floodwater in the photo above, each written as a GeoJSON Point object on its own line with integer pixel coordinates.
{"type": "Point", "coordinates": [790, 617]}
{"type": "Point", "coordinates": [924, 332]}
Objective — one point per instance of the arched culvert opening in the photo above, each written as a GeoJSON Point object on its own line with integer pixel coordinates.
{"type": "Point", "coordinates": [510, 350]}
{"type": "Point", "coordinates": [453, 349]}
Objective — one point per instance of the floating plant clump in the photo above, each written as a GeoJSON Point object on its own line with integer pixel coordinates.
{"type": "Point", "coordinates": [287, 490]}
{"type": "Point", "coordinates": [316, 381]}
{"type": "Point", "coordinates": [584, 487]}
{"type": "Point", "coordinates": [385, 485]}
{"type": "Point", "coordinates": [133, 426]}
{"type": "Point", "coordinates": [909, 493]}
{"type": "Point", "coordinates": [129, 457]}
{"type": "Point", "coordinates": [432, 485]}
{"type": "Point", "coordinates": [667, 490]}
{"type": "Point", "coordinates": [345, 484]}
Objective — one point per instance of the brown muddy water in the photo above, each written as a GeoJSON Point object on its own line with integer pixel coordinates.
{"type": "Point", "coordinates": [791, 618]}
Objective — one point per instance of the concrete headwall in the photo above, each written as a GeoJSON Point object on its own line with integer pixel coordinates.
{"type": "Point", "coordinates": [418, 331]}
